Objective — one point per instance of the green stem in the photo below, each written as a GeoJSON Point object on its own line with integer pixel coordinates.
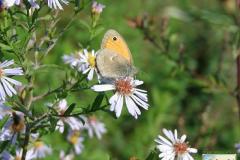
{"type": "Point", "coordinates": [26, 141]}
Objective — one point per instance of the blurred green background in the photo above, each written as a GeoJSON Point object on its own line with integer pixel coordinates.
{"type": "Point", "coordinates": [190, 81]}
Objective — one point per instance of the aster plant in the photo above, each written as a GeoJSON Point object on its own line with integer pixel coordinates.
{"type": "Point", "coordinates": [28, 35]}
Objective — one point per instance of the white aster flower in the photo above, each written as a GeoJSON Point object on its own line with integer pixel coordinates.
{"type": "Point", "coordinates": [74, 123]}
{"type": "Point", "coordinates": [74, 60]}
{"type": "Point", "coordinates": [125, 89]}
{"type": "Point", "coordinates": [40, 149]}
{"type": "Point", "coordinates": [6, 82]}
{"type": "Point", "coordinates": [89, 59]}
{"type": "Point", "coordinates": [55, 4]}
{"type": "Point", "coordinates": [13, 127]}
{"type": "Point", "coordinates": [10, 3]}
{"type": "Point", "coordinates": [174, 147]}
{"type": "Point", "coordinates": [4, 110]}
{"type": "Point", "coordinates": [94, 126]}
{"type": "Point", "coordinates": [5, 155]}
{"type": "Point", "coordinates": [63, 156]}
{"type": "Point", "coordinates": [75, 138]}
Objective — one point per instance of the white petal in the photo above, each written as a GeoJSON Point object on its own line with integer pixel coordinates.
{"type": "Point", "coordinates": [2, 93]}
{"type": "Point", "coordinates": [6, 87]}
{"type": "Point", "coordinates": [140, 102]}
{"type": "Point", "coordinates": [103, 87]}
{"type": "Point", "coordinates": [192, 150]}
{"type": "Point", "coordinates": [140, 90]}
{"type": "Point", "coordinates": [11, 88]}
{"type": "Point", "coordinates": [137, 82]}
{"type": "Point", "coordinates": [113, 101]}
{"type": "Point", "coordinates": [132, 107]}
{"type": "Point", "coordinates": [119, 105]}
{"type": "Point", "coordinates": [183, 138]}
{"type": "Point", "coordinates": [169, 134]}
{"type": "Point", "coordinates": [13, 71]}
{"type": "Point", "coordinates": [60, 126]}
{"type": "Point", "coordinates": [189, 157]}
{"type": "Point", "coordinates": [175, 135]}
{"type": "Point", "coordinates": [90, 74]}
{"type": "Point", "coordinates": [141, 95]}
{"type": "Point", "coordinates": [17, 83]}
{"type": "Point", "coordinates": [6, 63]}
{"type": "Point", "coordinates": [63, 105]}
{"type": "Point", "coordinates": [87, 70]}
{"type": "Point", "coordinates": [164, 140]}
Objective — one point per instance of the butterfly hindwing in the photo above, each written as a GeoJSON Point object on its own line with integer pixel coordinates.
{"type": "Point", "coordinates": [112, 65]}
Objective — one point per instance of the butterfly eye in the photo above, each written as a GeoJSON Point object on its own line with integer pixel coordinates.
{"type": "Point", "coordinates": [114, 38]}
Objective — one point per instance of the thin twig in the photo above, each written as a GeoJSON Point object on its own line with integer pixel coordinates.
{"type": "Point", "coordinates": [26, 141]}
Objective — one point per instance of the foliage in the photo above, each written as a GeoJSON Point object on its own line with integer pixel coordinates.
{"type": "Point", "coordinates": [186, 53]}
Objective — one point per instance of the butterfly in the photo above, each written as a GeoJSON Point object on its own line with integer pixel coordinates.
{"type": "Point", "coordinates": [114, 59]}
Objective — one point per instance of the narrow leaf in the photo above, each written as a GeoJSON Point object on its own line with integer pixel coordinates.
{"type": "Point", "coordinates": [70, 109]}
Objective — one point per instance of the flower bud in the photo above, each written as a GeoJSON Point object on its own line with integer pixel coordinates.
{"type": "Point", "coordinates": [97, 8]}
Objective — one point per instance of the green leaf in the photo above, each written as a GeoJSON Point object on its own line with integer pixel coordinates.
{"type": "Point", "coordinates": [70, 109]}
{"type": "Point", "coordinates": [77, 4]}
{"type": "Point", "coordinates": [99, 30]}
{"type": "Point", "coordinates": [84, 24]}
{"type": "Point", "coordinates": [153, 156]}
{"type": "Point", "coordinates": [3, 121]}
{"type": "Point", "coordinates": [21, 109]}
{"type": "Point", "coordinates": [110, 113]}
{"type": "Point", "coordinates": [5, 47]}
{"type": "Point", "coordinates": [98, 101]}
{"type": "Point", "coordinates": [34, 16]}
{"type": "Point", "coordinates": [53, 122]}
{"type": "Point", "coordinates": [3, 146]}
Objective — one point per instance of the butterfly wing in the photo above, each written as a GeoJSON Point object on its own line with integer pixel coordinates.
{"type": "Point", "coordinates": [111, 65]}
{"type": "Point", "coordinates": [114, 41]}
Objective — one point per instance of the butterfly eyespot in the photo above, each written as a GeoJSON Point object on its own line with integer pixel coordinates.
{"type": "Point", "coordinates": [114, 38]}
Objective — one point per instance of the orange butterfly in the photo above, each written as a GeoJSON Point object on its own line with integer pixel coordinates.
{"type": "Point", "coordinates": [114, 59]}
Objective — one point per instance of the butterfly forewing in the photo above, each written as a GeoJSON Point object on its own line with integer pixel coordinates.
{"type": "Point", "coordinates": [112, 40]}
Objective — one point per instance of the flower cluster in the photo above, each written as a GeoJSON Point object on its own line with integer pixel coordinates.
{"type": "Point", "coordinates": [125, 88]}
{"type": "Point", "coordinates": [76, 127]}
{"type": "Point", "coordinates": [13, 128]}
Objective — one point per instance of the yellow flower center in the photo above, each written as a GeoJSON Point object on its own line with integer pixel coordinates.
{"type": "Point", "coordinates": [1, 72]}
{"type": "Point", "coordinates": [38, 144]}
{"type": "Point", "coordinates": [91, 60]}
{"type": "Point", "coordinates": [180, 148]}
{"type": "Point", "coordinates": [74, 137]}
